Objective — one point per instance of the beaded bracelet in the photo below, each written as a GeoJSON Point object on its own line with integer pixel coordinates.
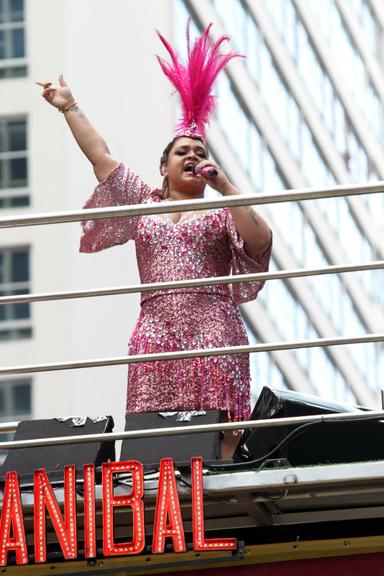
{"type": "Point", "coordinates": [68, 107]}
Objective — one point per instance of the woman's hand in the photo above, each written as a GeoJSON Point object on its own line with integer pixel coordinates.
{"type": "Point", "coordinates": [250, 225]}
{"type": "Point", "coordinates": [89, 140]}
{"type": "Point", "coordinates": [219, 181]}
{"type": "Point", "coordinates": [59, 96]}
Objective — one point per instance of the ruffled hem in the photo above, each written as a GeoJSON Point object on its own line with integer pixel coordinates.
{"type": "Point", "coordinates": [224, 371]}
{"type": "Point", "coordinates": [176, 323]}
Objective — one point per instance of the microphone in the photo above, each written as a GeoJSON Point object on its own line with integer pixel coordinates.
{"type": "Point", "coordinates": [206, 171]}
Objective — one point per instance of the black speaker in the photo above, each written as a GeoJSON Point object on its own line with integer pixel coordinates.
{"type": "Point", "coordinates": [54, 458]}
{"type": "Point", "coordinates": [149, 451]}
{"type": "Point", "coordinates": [318, 443]}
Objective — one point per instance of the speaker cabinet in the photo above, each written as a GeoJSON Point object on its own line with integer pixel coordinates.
{"type": "Point", "coordinates": [181, 448]}
{"type": "Point", "coordinates": [320, 443]}
{"type": "Point", "coordinates": [54, 458]}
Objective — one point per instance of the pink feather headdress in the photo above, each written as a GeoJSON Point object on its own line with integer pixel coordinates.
{"type": "Point", "coordinates": [194, 81]}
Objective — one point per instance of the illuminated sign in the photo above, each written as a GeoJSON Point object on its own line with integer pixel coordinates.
{"type": "Point", "coordinates": [168, 523]}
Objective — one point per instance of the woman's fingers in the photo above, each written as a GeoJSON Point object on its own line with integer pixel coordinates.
{"type": "Point", "coordinates": [45, 84]}
{"type": "Point", "coordinates": [48, 94]}
{"type": "Point", "coordinates": [54, 93]}
{"type": "Point", "coordinates": [48, 91]}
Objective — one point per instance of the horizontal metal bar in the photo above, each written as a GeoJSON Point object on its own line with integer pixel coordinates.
{"type": "Point", "coordinates": [8, 426]}
{"type": "Point", "coordinates": [186, 205]}
{"type": "Point", "coordinates": [67, 295]}
{"type": "Point", "coordinates": [202, 352]}
{"type": "Point", "coordinates": [196, 429]}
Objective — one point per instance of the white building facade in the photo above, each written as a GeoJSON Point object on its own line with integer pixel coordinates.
{"type": "Point", "coordinates": [297, 112]}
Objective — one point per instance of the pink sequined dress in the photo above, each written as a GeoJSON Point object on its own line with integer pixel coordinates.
{"type": "Point", "coordinates": [200, 245]}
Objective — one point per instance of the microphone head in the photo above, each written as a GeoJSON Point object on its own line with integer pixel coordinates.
{"type": "Point", "coordinates": [206, 171]}
{"type": "Point", "coordinates": [212, 172]}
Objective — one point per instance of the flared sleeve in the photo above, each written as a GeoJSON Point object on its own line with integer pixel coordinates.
{"type": "Point", "coordinates": [121, 188]}
{"type": "Point", "coordinates": [242, 263]}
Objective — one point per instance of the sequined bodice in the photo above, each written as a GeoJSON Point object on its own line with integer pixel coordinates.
{"type": "Point", "coordinates": [195, 247]}
{"type": "Point", "coordinates": [200, 245]}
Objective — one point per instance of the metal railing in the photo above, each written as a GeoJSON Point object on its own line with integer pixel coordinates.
{"type": "Point", "coordinates": [186, 205]}
{"type": "Point", "coordinates": [184, 354]}
{"type": "Point", "coordinates": [195, 429]}
{"type": "Point", "coordinates": [213, 281]}
{"type": "Point", "coordinates": [182, 206]}
{"type": "Point", "coordinates": [8, 426]}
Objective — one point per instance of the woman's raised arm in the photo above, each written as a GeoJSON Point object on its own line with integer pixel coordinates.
{"type": "Point", "coordinates": [91, 143]}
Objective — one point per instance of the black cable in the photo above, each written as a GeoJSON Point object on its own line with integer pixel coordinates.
{"type": "Point", "coordinates": [249, 463]}
{"type": "Point", "coordinates": [286, 441]}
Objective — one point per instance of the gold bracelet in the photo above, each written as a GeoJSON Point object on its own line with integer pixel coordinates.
{"type": "Point", "coordinates": [68, 107]}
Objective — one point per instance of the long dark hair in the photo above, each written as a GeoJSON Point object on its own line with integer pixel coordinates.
{"type": "Point", "coordinates": [165, 156]}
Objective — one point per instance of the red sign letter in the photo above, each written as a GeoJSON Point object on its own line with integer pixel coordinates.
{"type": "Point", "coordinates": [134, 500]}
{"type": "Point", "coordinates": [45, 500]}
{"type": "Point", "coordinates": [168, 521]}
{"type": "Point", "coordinates": [12, 516]}
{"type": "Point", "coordinates": [199, 541]}
{"type": "Point", "coordinates": [89, 511]}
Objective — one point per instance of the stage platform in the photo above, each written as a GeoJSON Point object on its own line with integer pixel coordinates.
{"type": "Point", "coordinates": [277, 515]}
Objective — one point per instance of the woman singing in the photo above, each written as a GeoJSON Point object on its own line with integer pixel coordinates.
{"type": "Point", "coordinates": [180, 246]}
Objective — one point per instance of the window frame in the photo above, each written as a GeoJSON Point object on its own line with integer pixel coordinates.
{"type": "Point", "coordinates": [16, 328]}
{"type": "Point", "coordinates": [9, 193]}
{"type": "Point", "coordinates": [16, 64]}
{"type": "Point", "coordinates": [8, 385]}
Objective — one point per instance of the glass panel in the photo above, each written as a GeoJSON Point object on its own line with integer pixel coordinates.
{"type": "Point", "coordinates": [23, 333]}
{"type": "Point", "coordinates": [2, 402]}
{"type": "Point", "coordinates": [22, 399]}
{"type": "Point", "coordinates": [13, 72]}
{"type": "Point", "coordinates": [4, 183]}
{"type": "Point", "coordinates": [17, 10]}
{"type": "Point", "coordinates": [17, 43]}
{"type": "Point", "coordinates": [17, 135]}
{"type": "Point", "coordinates": [19, 201]}
{"type": "Point", "coordinates": [15, 269]}
{"type": "Point", "coordinates": [20, 311]}
{"type": "Point", "coordinates": [18, 169]}
{"type": "Point", "coordinates": [20, 266]}
{"type": "Point", "coordinates": [2, 44]}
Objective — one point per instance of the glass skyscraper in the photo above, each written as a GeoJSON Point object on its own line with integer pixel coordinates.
{"type": "Point", "coordinates": [305, 108]}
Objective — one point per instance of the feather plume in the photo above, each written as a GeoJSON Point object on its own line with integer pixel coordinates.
{"type": "Point", "coordinates": [195, 80]}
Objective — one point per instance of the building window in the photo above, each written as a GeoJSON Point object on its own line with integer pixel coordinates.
{"type": "Point", "coordinates": [15, 405]}
{"type": "Point", "coordinates": [15, 400]}
{"type": "Point", "coordinates": [12, 39]}
{"type": "Point", "coordinates": [13, 163]}
{"type": "Point", "coordinates": [15, 319]}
